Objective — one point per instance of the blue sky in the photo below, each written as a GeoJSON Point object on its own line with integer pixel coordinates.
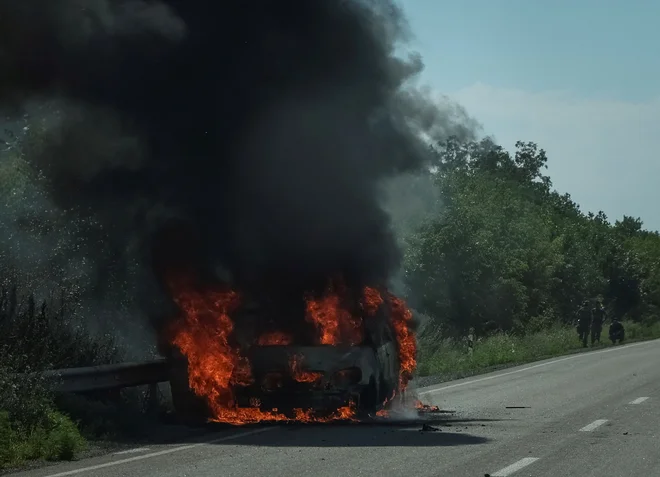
{"type": "Point", "coordinates": [580, 78]}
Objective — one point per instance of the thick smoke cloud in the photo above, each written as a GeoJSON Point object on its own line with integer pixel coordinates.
{"type": "Point", "coordinates": [246, 137]}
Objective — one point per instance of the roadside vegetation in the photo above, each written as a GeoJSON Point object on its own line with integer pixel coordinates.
{"type": "Point", "coordinates": [34, 338]}
{"type": "Point", "coordinates": [447, 359]}
{"type": "Point", "coordinates": [509, 260]}
{"type": "Point", "coordinates": [44, 325]}
{"type": "Point", "coordinates": [39, 325]}
{"type": "Point", "coordinates": [36, 424]}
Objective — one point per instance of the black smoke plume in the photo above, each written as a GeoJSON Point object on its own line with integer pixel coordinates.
{"type": "Point", "coordinates": [245, 137]}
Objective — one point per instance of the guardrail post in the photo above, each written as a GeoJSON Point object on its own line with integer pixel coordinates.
{"type": "Point", "coordinates": [153, 397]}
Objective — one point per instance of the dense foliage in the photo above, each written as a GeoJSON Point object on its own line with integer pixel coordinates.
{"type": "Point", "coordinates": [40, 324]}
{"type": "Point", "coordinates": [34, 337]}
{"type": "Point", "coordinates": [508, 253]}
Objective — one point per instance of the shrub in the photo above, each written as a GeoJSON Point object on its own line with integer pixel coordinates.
{"type": "Point", "coordinates": [45, 336]}
{"type": "Point", "coordinates": [32, 339]}
{"type": "Point", "coordinates": [56, 438]}
{"type": "Point", "coordinates": [453, 359]}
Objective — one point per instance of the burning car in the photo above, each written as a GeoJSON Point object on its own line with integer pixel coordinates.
{"type": "Point", "coordinates": [237, 365]}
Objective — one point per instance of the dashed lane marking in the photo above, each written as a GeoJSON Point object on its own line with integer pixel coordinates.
{"type": "Point", "coordinates": [594, 425]}
{"type": "Point", "coordinates": [515, 467]}
{"type": "Point", "coordinates": [639, 400]}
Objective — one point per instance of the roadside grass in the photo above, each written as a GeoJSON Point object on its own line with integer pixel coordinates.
{"type": "Point", "coordinates": [450, 359]}
{"type": "Point", "coordinates": [31, 427]}
{"type": "Point", "coordinates": [35, 337]}
{"type": "Point", "coordinates": [55, 438]}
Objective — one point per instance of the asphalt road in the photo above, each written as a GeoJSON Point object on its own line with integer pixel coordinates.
{"type": "Point", "coordinates": [591, 414]}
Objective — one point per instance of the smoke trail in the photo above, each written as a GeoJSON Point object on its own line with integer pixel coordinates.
{"type": "Point", "coordinates": [260, 132]}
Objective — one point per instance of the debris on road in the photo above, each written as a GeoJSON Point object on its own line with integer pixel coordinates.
{"type": "Point", "coordinates": [421, 407]}
{"type": "Point", "coordinates": [429, 428]}
{"type": "Point", "coordinates": [427, 408]}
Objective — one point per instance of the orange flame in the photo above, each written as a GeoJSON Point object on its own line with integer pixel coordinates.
{"type": "Point", "coordinates": [401, 320]}
{"type": "Point", "coordinates": [300, 375]}
{"type": "Point", "coordinates": [335, 324]}
{"type": "Point", "coordinates": [275, 338]}
{"type": "Point", "coordinates": [207, 326]}
{"type": "Point", "coordinates": [345, 413]}
{"type": "Point", "coordinates": [371, 300]}
{"type": "Point", "coordinates": [420, 406]}
{"type": "Point", "coordinates": [215, 365]}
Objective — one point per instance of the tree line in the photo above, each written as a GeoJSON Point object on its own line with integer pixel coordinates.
{"type": "Point", "coordinates": [506, 252]}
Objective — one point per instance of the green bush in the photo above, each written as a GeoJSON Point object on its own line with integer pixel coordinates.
{"type": "Point", "coordinates": [6, 440]}
{"type": "Point", "coordinates": [46, 335]}
{"type": "Point", "coordinates": [30, 427]}
{"type": "Point", "coordinates": [56, 438]}
{"type": "Point", "coordinates": [25, 398]}
{"type": "Point", "coordinates": [452, 358]}
{"type": "Point", "coordinates": [33, 339]}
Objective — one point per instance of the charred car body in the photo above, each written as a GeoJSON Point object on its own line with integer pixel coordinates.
{"type": "Point", "coordinates": [287, 376]}
{"type": "Point", "coordinates": [328, 378]}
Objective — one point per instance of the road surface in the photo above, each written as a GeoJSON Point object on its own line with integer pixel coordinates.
{"type": "Point", "coordinates": [591, 414]}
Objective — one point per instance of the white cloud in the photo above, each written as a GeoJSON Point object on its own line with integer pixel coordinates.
{"type": "Point", "coordinates": [604, 152]}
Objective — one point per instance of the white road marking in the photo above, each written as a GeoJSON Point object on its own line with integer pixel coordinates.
{"type": "Point", "coordinates": [639, 400]}
{"type": "Point", "coordinates": [515, 467]}
{"type": "Point", "coordinates": [159, 453]}
{"type": "Point", "coordinates": [132, 451]}
{"type": "Point", "coordinates": [594, 425]}
{"type": "Point", "coordinates": [535, 366]}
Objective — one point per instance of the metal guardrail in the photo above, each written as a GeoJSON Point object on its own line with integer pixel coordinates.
{"type": "Point", "coordinates": [107, 377]}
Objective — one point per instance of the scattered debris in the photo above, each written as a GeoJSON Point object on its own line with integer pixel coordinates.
{"type": "Point", "coordinates": [421, 407]}
{"type": "Point", "coordinates": [429, 428]}
{"type": "Point", "coordinates": [518, 407]}
{"type": "Point", "coordinates": [625, 433]}
{"type": "Point", "coordinates": [426, 408]}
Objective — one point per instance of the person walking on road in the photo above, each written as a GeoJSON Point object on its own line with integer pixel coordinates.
{"type": "Point", "coordinates": [597, 321]}
{"type": "Point", "coordinates": [584, 322]}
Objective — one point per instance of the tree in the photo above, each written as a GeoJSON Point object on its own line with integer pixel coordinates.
{"type": "Point", "coordinates": [507, 252]}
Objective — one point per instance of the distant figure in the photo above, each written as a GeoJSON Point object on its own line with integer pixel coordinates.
{"type": "Point", "coordinates": [597, 321]}
{"type": "Point", "coordinates": [584, 322]}
{"type": "Point", "coordinates": [470, 340]}
{"type": "Point", "coordinates": [617, 332]}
